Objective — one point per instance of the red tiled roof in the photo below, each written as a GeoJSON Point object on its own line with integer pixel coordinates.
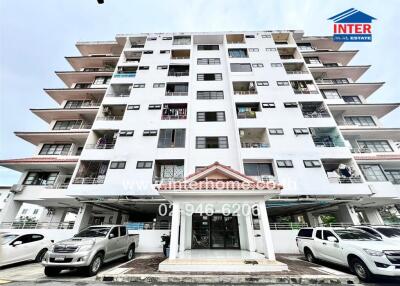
{"type": "Point", "coordinates": [38, 160]}
{"type": "Point", "coordinates": [377, 157]}
{"type": "Point", "coordinates": [219, 185]}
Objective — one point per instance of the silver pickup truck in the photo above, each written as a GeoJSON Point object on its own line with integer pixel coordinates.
{"type": "Point", "coordinates": [90, 248]}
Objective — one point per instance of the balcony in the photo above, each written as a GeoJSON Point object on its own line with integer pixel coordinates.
{"type": "Point", "coordinates": [288, 54]}
{"type": "Point", "coordinates": [102, 139]}
{"type": "Point", "coordinates": [341, 171]}
{"type": "Point", "coordinates": [174, 111]}
{"type": "Point", "coordinates": [180, 54]}
{"type": "Point", "coordinates": [260, 171]}
{"type": "Point", "coordinates": [326, 137]}
{"type": "Point", "coordinates": [61, 183]}
{"type": "Point", "coordinates": [306, 47]}
{"type": "Point", "coordinates": [334, 71]}
{"type": "Point", "coordinates": [247, 110]}
{"type": "Point", "coordinates": [132, 57]}
{"type": "Point", "coordinates": [235, 39]}
{"type": "Point", "coordinates": [177, 89]}
{"type": "Point", "coordinates": [253, 138]}
{"type": "Point", "coordinates": [119, 90]}
{"type": "Point", "coordinates": [178, 70]}
{"type": "Point", "coordinates": [244, 87]}
{"type": "Point", "coordinates": [126, 72]}
{"type": "Point", "coordinates": [100, 62]}
{"type": "Point", "coordinates": [295, 68]}
{"type": "Point", "coordinates": [137, 42]}
{"type": "Point", "coordinates": [303, 87]}
{"type": "Point", "coordinates": [66, 114]}
{"type": "Point", "coordinates": [74, 104]}
{"type": "Point", "coordinates": [332, 81]}
{"type": "Point", "coordinates": [91, 172]}
{"type": "Point", "coordinates": [95, 77]}
{"type": "Point", "coordinates": [314, 110]}
{"type": "Point", "coordinates": [112, 112]}
{"type": "Point", "coordinates": [181, 40]}
{"type": "Point", "coordinates": [168, 171]}
{"type": "Point", "coordinates": [238, 53]}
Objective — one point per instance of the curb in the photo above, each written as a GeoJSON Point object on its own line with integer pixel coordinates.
{"type": "Point", "coordinates": [231, 279]}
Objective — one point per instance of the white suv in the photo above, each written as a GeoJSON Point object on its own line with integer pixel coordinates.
{"type": "Point", "coordinates": [366, 255]}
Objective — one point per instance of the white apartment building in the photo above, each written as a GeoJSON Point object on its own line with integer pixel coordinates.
{"type": "Point", "coordinates": [269, 106]}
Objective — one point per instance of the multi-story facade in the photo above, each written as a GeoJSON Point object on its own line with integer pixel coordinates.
{"type": "Point", "coordinates": [152, 108]}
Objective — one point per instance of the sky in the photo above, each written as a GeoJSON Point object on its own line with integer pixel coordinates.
{"type": "Point", "coordinates": [35, 36]}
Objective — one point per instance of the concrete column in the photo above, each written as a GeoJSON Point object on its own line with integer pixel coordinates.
{"type": "Point", "coordinates": [10, 209]}
{"type": "Point", "coordinates": [373, 216]}
{"type": "Point", "coordinates": [83, 217]}
{"type": "Point", "coordinates": [265, 231]}
{"type": "Point", "coordinates": [242, 231]}
{"type": "Point", "coordinates": [188, 234]}
{"type": "Point", "coordinates": [346, 214]}
{"type": "Point", "coordinates": [250, 233]}
{"type": "Point", "coordinates": [310, 219]}
{"type": "Point", "coordinates": [173, 248]}
{"type": "Point", "coordinates": [182, 233]}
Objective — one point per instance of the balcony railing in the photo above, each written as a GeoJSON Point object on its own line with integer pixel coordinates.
{"type": "Point", "coordinates": [89, 180]}
{"type": "Point", "coordinates": [245, 115]}
{"type": "Point", "coordinates": [160, 180]}
{"type": "Point", "coordinates": [36, 225]}
{"type": "Point", "coordinates": [287, 226]}
{"type": "Point", "coordinates": [121, 75]}
{"type": "Point", "coordinates": [173, 117]}
{"type": "Point", "coordinates": [83, 105]}
{"type": "Point", "coordinates": [180, 58]}
{"type": "Point", "coordinates": [361, 150]}
{"type": "Point", "coordinates": [58, 186]}
{"type": "Point", "coordinates": [254, 145]}
{"type": "Point", "coordinates": [148, 225]}
{"type": "Point", "coordinates": [245, 91]}
{"type": "Point", "coordinates": [82, 126]}
{"type": "Point", "coordinates": [171, 73]}
{"type": "Point", "coordinates": [344, 180]}
{"type": "Point", "coordinates": [297, 72]}
{"type": "Point", "coordinates": [136, 46]}
{"type": "Point", "coordinates": [327, 144]}
{"type": "Point", "coordinates": [100, 146]}
{"type": "Point", "coordinates": [118, 94]}
{"type": "Point", "coordinates": [315, 114]}
{"type": "Point", "coordinates": [110, 118]}
{"type": "Point", "coordinates": [305, 91]}
{"type": "Point", "coordinates": [176, 93]}
{"type": "Point", "coordinates": [395, 181]}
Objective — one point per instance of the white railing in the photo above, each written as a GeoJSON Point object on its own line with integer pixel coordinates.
{"type": "Point", "coordinates": [58, 186]}
{"type": "Point", "coordinates": [36, 225]}
{"type": "Point", "coordinates": [173, 117]}
{"type": "Point", "coordinates": [297, 72]}
{"type": "Point", "coordinates": [304, 91]}
{"type": "Point", "coordinates": [180, 58]}
{"type": "Point", "coordinates": [361, 150]}
{"type": "Point", "coordinates": [327, 144]}
{"type": "Point", "coordinates": [109, 118]}
{"type": "Point", "coordinates": [83, 105]}
{"type": "Point", "coordinates": [254, 145]}
{"type": "Point", "coordinates": [176, 93]}
{"type": "Point", "coordinates": [82, 126]}
{"type": "Point", "coordinates": [88, 180]}
{"type": "Point", "coordinates": [160, 180]}
{"type": "Point", "coordinates": [178, 73]}
{"type": "Point", "coordinates": [100, 146]}
{"type": "Point", "coordinates": [316, 114]}
{"type": "Point", "coordinates": [245, 92]}
{"type": "Point", "coordinates": [344, 180]}
{"type": "Point", "coordinates": [287, 226]}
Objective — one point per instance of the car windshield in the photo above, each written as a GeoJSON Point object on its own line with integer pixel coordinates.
{"type": "Point", "coordinates": [354, 234]}
{"type": "Point", "coordinates": [389, 231]}
{"type": "Point", "coordinates": [6, 238]}
{"type": "Point", "coordinates": [94, 232]}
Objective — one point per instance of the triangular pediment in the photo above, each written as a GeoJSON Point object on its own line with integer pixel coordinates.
{"type": "Point", "coordinates": [218, 172]}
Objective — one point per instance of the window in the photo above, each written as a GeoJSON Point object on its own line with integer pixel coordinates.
{"type": "Point", "coordinates": [258, 169]}
{"type": "Point", "coordinates": [66, 124]}
{"type": "Point", "coordinates": [266, 36]}
{"type": "Point", "coordinates": [375, 145]}
{"type": "Point", "coordinates": [330, 93]}
{"type": "Point", "coordinates": [270, 49]}
{"type": "Point", "coordinates": [318, 234]}
{"type": "Point", "coordinates": [300, 131]}
{"type": "Point", "coordinates": [258, 65]}
{"type": "Point", "coordinates": [35, 211]}
{"type": "Point", "coordinates": [241, 68]}
{"type": "Point", "coordinates": [182, 40]}
{"type": "Point", "coordinates": [208, 61]}
{"type": "Point", "coordinates": [268, 105]}
{"type": "Point", "coordinates": [238, 53]}
{"type": "Point", "coordinates": [254, 50]}
{"type": "Point", "coordinates": [147, 52]}
{"type": "Point", "coordinates": [282, 83]}
{"type": "Point", "coordinates": [72, 104]}
{"type": "Point", "coordinates": [210, 116]}
{"type": "Point", "coordinates": [122, 230]}
{"type": "Point", "coordinates": [327, 234]}
{"type": "Point", "coordinates": [276, 131]}
{"type": "Point", "coordinates": [126, 133]}
{"type": "Point", "coordinates": [171, 138]}
{"type": "Point", "coordinates": [218, 94]}
{"type": "Point", "coordinates": [165, 51]}
{"type": "Point", "coordinates": [284, 163]}
{"type": "Point", "coordinates": [114, 232]}
{"type": "Point", "coordinates": [154, 106]}
{"type": "Point", "coordinates": [139, 85]}
{"type": "Point", "coordinates": [40, 178]}
{"type": "Point", "coordinates": [276, 65]}
{"type": "Point", "coordinates": [117, 164]}
{"type": "Point", "coordinates": [55, 149]}
{"type": "Point", "coordinates": [150, 133]}
{"type": "Point", "coordinates": [167, 38]}
{"type": "Point", "coordinates": [312, 60]}
{"type": "Point", "coordinates": [393, 175]}
{"type": "Point", "coordinates": [212, 142]}
{"type": "Point", "coordinates": [158, 85]}
{"type": "Point", "coordinates": [144, 164]}
{"type": "Point", "coordinates": [290, 104]}
{"type": "Point", "coordinates": [209, 76]}
{"type": "Point", "coordinates": [262, 83]}
{"type": "Point", "coordinates": [102, 80]}
{"type": "Point", "coordinates": [353, 99]}
{"type": "Point", "coordinates": [340, 81]}
{"type": "Point", "coordinates": [133, 107]}
{"type": "Point", "coordinates": [312, 163]}
{"type": "Point", "coordinates": [162, 67]}
{"type": "Point", "coordinates": [207, 47]}
{"type": "Point", "coordinates": [24, 211]}
{"type": "Point", "coordinates": [305, 232]}
{"type": "Point", "coordinates": [359, 120]}
{"type": "Point", "coordinates": [144, 68]}
{"type": "Point", "coordinates": [152, 39]}
{"type": "Point", "coordinates": [373, 173]}
{"type": "Point", "coordinates": [250, 36]}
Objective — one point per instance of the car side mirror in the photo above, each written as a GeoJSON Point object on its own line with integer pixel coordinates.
{"type": "Point", "coordinates": [16, 243]}
{"type": "Point", "coordinates": [332, 239]}
{"type": "Point", "coordinates": [111, 236]}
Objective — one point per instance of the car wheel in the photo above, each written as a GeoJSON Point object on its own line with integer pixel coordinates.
{"type": "Point", "coordinates": [40, 255]}
{"type": "Point", "coordinates": [131, 253]}
{"type": "Point", "coordinates": [95, 265]}
{"type": "Point", "coordinates": [309, 256]}
{"type": "Point", "coordinates": [51, 271]}
{"type": "Point", "coordinates": [361, 270]}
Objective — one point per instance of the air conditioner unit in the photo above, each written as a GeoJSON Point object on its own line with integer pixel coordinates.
{"type": "Point", "coordinates": [267, 178]}
{"type": "Point", "coordinates": [17, 188]}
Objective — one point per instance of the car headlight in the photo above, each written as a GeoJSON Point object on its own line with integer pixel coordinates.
{"type": "Point", "coordinates": [86, 247]}
{"type": "Point", "coordinates": [373, 252]}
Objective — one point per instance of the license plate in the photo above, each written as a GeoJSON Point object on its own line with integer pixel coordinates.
{"type": "Point", "coordinates": [59, 258]}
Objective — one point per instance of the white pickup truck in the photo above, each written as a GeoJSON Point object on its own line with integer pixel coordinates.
{"type": "Point", "coordinates": [90, 248]}
{"type": "Point", "coordinates": [366, 255]}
